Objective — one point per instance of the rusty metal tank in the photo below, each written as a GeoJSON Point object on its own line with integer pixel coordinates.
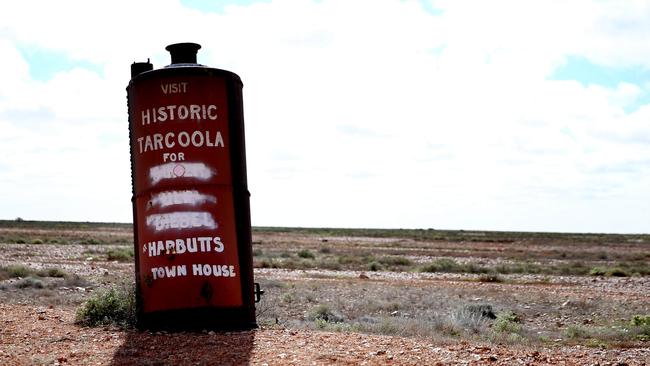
{"type": "Point", "coordinates": [191, 212]}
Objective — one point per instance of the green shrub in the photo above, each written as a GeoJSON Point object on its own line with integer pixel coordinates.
{"type": "Point", "coordinates": [597, 271]}
{"type": "Point", "coordinates": [121, 255]}
{"type": "Point", "coordinates": [52, 272]}
{"type": "Point", "coordinates": [115, 306]}
{"type": "Point", "coordinates": [20, 241]}
{"type": "Point", "coordinates": [17, 271]}
{"type": "Point", "coordinates": [374, 266]}
{"type": "Point", "coordinates": [395, 261]}
{"type": "Point", "coordinates": [287, 298]}
{"type": "Point", "coordinates": [490, 278]}
{"type": "Point", "coordinates": [266, 263]}
{"type": "Point", "coordinates": [576, 332]}
{"type": "Point", "coordinates": [37, 241]}
{"type": "Point", "coordinates": [323, 313]}
{"type": "Point", "coordinates": [617, 272]}
{"type": "Point", "coordinates": [442, 265]}
{"type": "Point", "coordinates": [640, 320]}
{"type": "Point", "coordinates": [75, 281]}
{"type": "Point", "coordinates": [641, 327]}
{"type": "Point", "coordinates": [306, 253]}
{"type": "Point", "coordinates": [297, 264]}
{"type": "Point", "coordinates": [609, 272]}
{"type": "Point", "coordinates": [507, 322]}
{"type": "Point", "coordinates": [30, 282]}
{"type": "Point", "coordinates": [328, 264]}
{"type": "Point", "coordinates": [348, 259]}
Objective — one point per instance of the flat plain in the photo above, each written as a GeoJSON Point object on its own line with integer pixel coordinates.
{"type": "Point", "coordinates": [347, 296]}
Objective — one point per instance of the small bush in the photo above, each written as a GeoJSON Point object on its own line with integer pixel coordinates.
{"type": "Point", "coordinates": [297, 264]}
{"type": "Point", "coordinates": [325, 250]}
{"type": "Point", "coordinates": [328, 264]}
{"type": "Point", "coordinates": [121, 255]}
{"type": "Point", "coordinates": [323, 313]}
{"type": "Point", "coordinates": [348, 259]}
{"type": "Point", "coordinates": [287, 298]}
{"type": "Point", "coordinates": [266, 263]}
{"type": "Point", "coordinates": [576, 332]}
{"type": "Point", "coordinates": [490, 278]}
{"type": "Point", "coordinates": [617, 272]}
{"type": "Point", "coordinates": [17, 271]}
{"type": "Point", "coordinates": [37, 241]}
{"type": "Point", "coordinates": [20, 241]}
{"type": "Point", "coordinates": [115, 306]}
{"type": "Point", "coordinates": [52, 272]}
{"type": "Point", "coordinates": [374, 266]}
{"type": "Point", "coordinates": [306, 253]}
{"type": "Point", "coordinates": [91, 241]}
{"type": "Point", "coordinates": [395, 261]}
{"type": "Point", "coordinates": [473, 317]}
{"type": "Point", "coordinates": [507, 322]}
{"type": "Point", "coordinates": [609, 272]}
{"type": "Point", "coordinates": [641, 327]}
{"type": "Point", "coordinates": [30, 282]}
{"type": "Point", "coordinates": [640, 320]}
{"type": "Point", "coordinates": [440, 265]}
{"type": "Point", "coordinates": [597, 271]}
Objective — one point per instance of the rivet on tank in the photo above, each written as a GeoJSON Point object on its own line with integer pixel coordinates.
{"type": "Point", "coordinates": [191, 211]}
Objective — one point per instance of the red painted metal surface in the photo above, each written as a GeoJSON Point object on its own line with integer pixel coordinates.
{"type": "Point", "coordinates": [187, 201]}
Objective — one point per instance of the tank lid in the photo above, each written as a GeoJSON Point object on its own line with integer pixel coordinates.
{"type": "Point", "coordinates": [183, 53]}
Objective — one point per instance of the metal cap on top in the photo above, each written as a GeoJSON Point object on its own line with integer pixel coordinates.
{"type": "Point", "coordinates": [183, 53]}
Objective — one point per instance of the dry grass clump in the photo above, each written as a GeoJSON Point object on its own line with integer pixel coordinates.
{"type": "Point", "coordinates": [20, 271]}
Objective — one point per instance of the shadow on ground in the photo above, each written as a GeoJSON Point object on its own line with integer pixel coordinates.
{"type": "Point", "coordinates": [147, 348]}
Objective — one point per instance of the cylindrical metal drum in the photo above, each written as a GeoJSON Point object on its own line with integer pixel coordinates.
{"type": "Point", "coordinates": [191, 212]}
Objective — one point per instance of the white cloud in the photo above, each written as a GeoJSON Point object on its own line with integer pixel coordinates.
{"type": "Point", "coordinates": [365, 113]}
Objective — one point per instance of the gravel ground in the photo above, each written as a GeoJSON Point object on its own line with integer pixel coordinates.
{"type": "Point", "coordinates": [31, 335]}
{"type": "Point", "coordinates": [37, 325]}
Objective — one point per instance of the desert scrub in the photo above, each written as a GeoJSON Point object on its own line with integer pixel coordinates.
{"type": "Point", "coordinates": [451, 266]}
{"type": "Point", "coordinates": [120, 255]}
{"type": "Point", "coordinates": [395, 261]}
{"type": "Point", "coordinates": [608, 272]}
{"type": "Point", "coordinates": [52, 272]}
{"type": "Point", "coordinates": [507, 322]}
{"type": "Point", "coordinates": [32, 282]}
{"type": "Point", "coordinates": [323, 313]}
{"type": "Point", "coordinates": [15, 271]}
{"type": "Point", "coordinates": [490, 278]}
{"type": "Point", "coordinates": [115, 306]}
{"type": "Point", "coordinates": [374, 266]}
{"type": "Point", "coordinates": [306, 253]}
{"type": "Point", "coordinates": [472, 317]}
{"type": "Point", "coordinates": [640, 325]}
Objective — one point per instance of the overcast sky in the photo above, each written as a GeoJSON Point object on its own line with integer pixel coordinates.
{"type": "Point", "coordinates": [497, 115]}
